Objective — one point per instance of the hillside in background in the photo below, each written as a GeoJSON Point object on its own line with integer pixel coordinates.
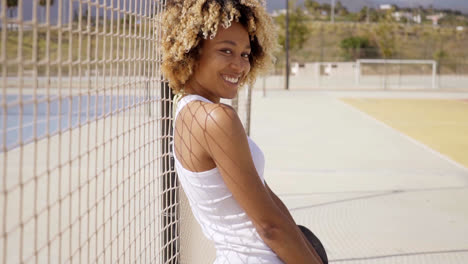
{"type": "Point", "coordinates": [326, 42]}
{"type": "Point", "coordinates": [351, 5]}
{"type": "Point", "coordinates": [355, 34]}
{"type": "Point", "coordinates": [356, 5]}
{"type": "Point", "coordinates": [316, 10]}
{"type": "Point", "coordinates": [392, 33]}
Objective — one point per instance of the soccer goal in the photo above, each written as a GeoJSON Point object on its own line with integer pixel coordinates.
{"type": "Point", "coordinates": [396, 73]}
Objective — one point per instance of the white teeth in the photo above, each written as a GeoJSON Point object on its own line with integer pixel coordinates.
{"type": "Point", "coordinates": [231, 79]}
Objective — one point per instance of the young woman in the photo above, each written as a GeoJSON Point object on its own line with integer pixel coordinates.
{"type": "Point", "coordinates": [212, 48]}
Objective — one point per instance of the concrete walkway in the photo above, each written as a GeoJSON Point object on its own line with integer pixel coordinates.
{"type": "Point", "coordinates": [370, 193]}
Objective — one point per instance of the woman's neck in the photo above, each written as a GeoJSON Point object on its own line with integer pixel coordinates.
{"type": "Point", "coordinates": [192, 87]}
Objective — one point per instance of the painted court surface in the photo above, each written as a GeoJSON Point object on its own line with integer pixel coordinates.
{"type": "Point", "coordinates": [380, 177]}
{"type": "Point", "coordinates": [440, 124]}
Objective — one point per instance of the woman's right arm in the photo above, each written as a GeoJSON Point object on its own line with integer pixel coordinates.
{"type": "Point", "coordinates": [226, 143]}
{"type": "Point", "coordinates": [288, 215]}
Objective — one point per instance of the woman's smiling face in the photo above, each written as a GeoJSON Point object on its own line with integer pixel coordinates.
{"type": "Point", "coordinates": [223, 64]}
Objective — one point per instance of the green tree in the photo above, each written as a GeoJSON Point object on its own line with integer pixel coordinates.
{"type": "Point", "coordinates": [43, 3]}
{"type": "Point", "coordinates": [384, 35]}
{"type": "Point", "coordinates": [365, 11]}
{"type": "Point", "coordinates": [326, 7]}
{"type": "Point", "coordinates": [355, 47]}
{"type": "Point", "coordinates": [76, 17]}
{"type": "Point", "coordinates": [298, 30]}
{"type": "Point", "coordinates": [440, 55]}
{"type": "Point", "coordinates": [312, 6]}
{"type": "Point", "coordinates": [340, 9]}
{"type": "Point", "coordinates": [362, 14]}
{"type": "Point", "coordinates": [316, 9]}
{"type": "Point", "coordinates": [11, 6]}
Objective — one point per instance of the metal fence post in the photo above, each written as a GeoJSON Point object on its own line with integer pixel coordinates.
{"type": "Point", "coordinates": [235, 102]}
{"type": "Point", "coordinates": [170, 190]}
{"type": "Point", "coordinates": [286, 84]}
{"type": "Point", "coordinates": [249, 108]}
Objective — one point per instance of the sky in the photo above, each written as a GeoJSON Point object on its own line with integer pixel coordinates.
{"type": "Point", "coordinates": [355, 5]}
{"type": "Point", "coordinates": [28, 8]}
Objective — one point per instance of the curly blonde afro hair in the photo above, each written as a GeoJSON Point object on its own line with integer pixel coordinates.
{"type": "Point", "coordinates": [187, 23]}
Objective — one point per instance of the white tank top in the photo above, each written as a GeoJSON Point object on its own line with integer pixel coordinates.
{"type": "Point", "coordinates": [221, 218]}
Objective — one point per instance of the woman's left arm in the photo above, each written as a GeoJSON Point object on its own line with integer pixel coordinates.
{"type": "Point", "coordinates": [286, 212]}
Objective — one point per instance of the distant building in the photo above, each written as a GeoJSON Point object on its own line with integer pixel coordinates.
{"type": "Point", "coordinates": [417, 19]}
{"type": "Point", "coordinates": [399, 15]}
{"type": "Point", "coordinates": [278, 12]}
{"type": "Point", "coordinates": [409, 16]}
{"type": "Point", "coordinates": [386, 7]}
{"type": "Point", "coordinates": [16, 27]}
{"type": "Point", "coordinates": [435, 18]}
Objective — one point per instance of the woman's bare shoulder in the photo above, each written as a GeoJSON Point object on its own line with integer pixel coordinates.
{"type": "Point", "coordinates": [211, 116]}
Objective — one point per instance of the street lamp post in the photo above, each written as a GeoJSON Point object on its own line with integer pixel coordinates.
{"type": "Point", "coordinates": [367, 15]}
{"type": "Point", "coordinates": [333, 11]}
{"type": "Point", "coordinates": [287, 46]}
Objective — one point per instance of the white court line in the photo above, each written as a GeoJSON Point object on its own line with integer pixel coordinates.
{"type": "Point", "coordinates": [414, 141]}
{"type": "Point", "coordinates": [360, 192]}
{"type": "Point", "coordinates": [381, 170]}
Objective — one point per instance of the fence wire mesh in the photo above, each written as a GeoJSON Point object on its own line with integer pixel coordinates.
{"type": "Point", "coordinates": [87, 174]}
{"type": "Point", "coordinates": [85, 168]}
